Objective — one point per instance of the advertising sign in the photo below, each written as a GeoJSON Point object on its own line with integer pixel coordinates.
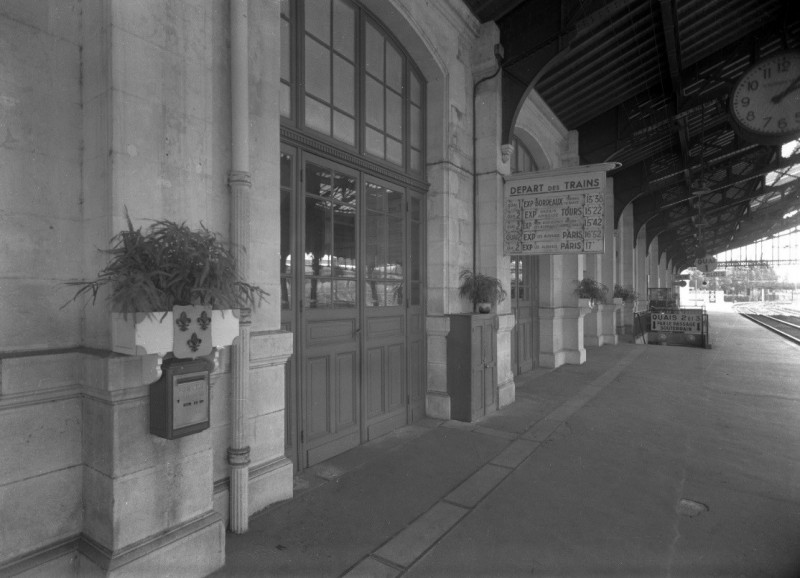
{"type": "Point", "coordinates": [555, 212]}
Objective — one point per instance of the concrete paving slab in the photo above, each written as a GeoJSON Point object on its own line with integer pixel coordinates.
{"type": "Point", "coordinates": [495, 432]}
{"type": "Point", "coordinates": [423, 533]}
{"type": "Point", "coordinates": [514, 454]}
{"type": "Point", "coordinates": [372, 568]}
{"type": "Point", "coordinates": [651, 461]}
{"type": "Point", "coordinates": [678, 467]}
{"type": "Point", "coordinates": [477, 486]}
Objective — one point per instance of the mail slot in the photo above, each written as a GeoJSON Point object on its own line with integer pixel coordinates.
{"type": "Point", "coordinates": [180, 401]}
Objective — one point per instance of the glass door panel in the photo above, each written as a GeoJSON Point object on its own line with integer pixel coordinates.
{"type": "Point", "coordinates": [384, 280]}
{"type": "Point", "coordinates": [329, 341]}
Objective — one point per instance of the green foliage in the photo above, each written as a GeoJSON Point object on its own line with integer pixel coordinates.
{"type": "Point", "coordinates": [627, 295]}
{"type": "Point", "coordinates": [480, 288]}
{"type": "Point", "coordinates": [588, 288]}
{"type": "Point", "coordinates": [169, 264]}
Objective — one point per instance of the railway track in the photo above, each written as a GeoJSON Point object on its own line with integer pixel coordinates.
{"type": "Point", "coordinates": [780, 318]}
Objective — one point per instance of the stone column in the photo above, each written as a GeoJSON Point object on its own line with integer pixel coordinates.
{"type": "Point", "coordinates": [492, 161]}
{"type": "Point", "coordinates": [560, 314]}
{"type": "Point", "coordinates": [449, 225]}
{"type": "Point", "coordinates": [592, 322]}
{"type": "Point", "coordinates": [625, 268]}
{"type": "Point", "coordinates": [148, 506]}
{"type": "Point", "coordinates": [653, 272]}
{"type": "Point", "coordinates": [561, 318]}
{"type": "Point", "coordinates": [603, 329]}
{"type": "Point", "coordinates": [641, 270]}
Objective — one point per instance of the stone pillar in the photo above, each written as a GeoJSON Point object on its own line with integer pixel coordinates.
{"type": "Point", "coordinates": [148, 505]}
{"type": "Point", "coordinates": [653, 272]}
{"type": "Point", "coordinates": [663, 273]}
{"type": "Point", "coordinates": [625, 268]}
{"type": "Point", "coordinates": [603, 330]}
{"type": "Point", "coordinates": [270, 473]}
{"type": "Point", "coordinates": [592, 322]}
{"type": "Point", "coordinates": [492, 161]}
{"type": "Point", "coordinates": [560, 314]}
{"type": "Point", "coordinates": [641, 270]}
{"type": "Point", "coordinates": [561, 327]}
{"type": "Point", "coordinates": [449, 221]}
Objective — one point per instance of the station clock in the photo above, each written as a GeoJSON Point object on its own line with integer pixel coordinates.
{"type": "Point", "coordinates": [765, 101]}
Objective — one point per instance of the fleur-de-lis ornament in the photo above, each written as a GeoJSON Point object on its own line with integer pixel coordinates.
{"type": "Point", "coordinates": [204, 320]}
{"type": "Point", "coordinates": [194, 342]}
{"type": "Point", "coordinates": [192, 331]}
{"type": "Point", "coordinates": [183, 321]}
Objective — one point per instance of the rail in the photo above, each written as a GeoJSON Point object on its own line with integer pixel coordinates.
{"type": "Point", "coordinates": [786, 329]}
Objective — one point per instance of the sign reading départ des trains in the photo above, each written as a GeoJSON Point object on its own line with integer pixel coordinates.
{"type": "Point", "coordinates": [555, 212]}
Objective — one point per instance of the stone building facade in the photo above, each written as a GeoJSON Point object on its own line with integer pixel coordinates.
{"type": "Point", "coordinates": [214, 112]}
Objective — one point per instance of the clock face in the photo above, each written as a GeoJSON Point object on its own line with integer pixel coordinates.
{"type": "Point", "coordinates": [765, 102]}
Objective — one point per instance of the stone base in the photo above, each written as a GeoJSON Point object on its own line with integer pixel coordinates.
{"type": "Point", "coordinates": [593, 340]}
{"type": "Point", "coordinates": [60, 559]}
{"type": "Point", "coordinates": [551, 360]}
{"type": "Point", "coordinates": [600, 340]}
{"type": "Point", "coordinates": [271, 483]}
{"type": "Point", "coordinates": [193, 549]}
{"type": "Point", "coordinates": [575, 356]}
{"type": "Point", "coordinates": [437, 405]}
{"type": "Point", "coordinates": [506, 394]}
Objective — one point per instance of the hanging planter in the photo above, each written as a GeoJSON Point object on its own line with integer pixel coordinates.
{"type": "Point", "coordinates": [173, 289]}
{"type": "Point", "coordinates": [165, 332]}
{"type": "Point", "coordinates": [591, 292]}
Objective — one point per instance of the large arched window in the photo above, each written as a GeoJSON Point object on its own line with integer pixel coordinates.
{"type": "Point", "coordinates": [345, 79]}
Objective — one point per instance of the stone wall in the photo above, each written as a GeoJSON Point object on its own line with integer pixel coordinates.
{"type": "Point", "coordinates": [40, 212]}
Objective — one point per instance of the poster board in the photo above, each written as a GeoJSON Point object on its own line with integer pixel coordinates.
{"type": "Point", "coordinates": [556, 212]}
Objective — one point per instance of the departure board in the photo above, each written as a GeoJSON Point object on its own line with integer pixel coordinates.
{"type": "Point", "coordinates": [555, 212]}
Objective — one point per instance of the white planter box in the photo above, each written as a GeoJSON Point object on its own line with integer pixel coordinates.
{"type": "Point", "coordinates": [143, 333]}
{"type": "Point", "coordinates": [585, 306]}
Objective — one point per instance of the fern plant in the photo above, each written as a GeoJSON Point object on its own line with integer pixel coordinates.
{"type": "Point", "coordinates": [588, 288]}
{"type": "Point", "coordinates": [170, 264]}
{"type": "Point", "coordinates": [627, 295]}
{"type": "Point", "coordinates": [480, 288]}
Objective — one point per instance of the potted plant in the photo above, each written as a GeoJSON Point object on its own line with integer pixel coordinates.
{"type": "Point", "coordinates": [624, 294]}
{"type": "Point", "coordinates": [591, 290]}
{"type": "Point", "coordinates": [168, 281]}
{"type": "Point", "coordinates": [483, 291]}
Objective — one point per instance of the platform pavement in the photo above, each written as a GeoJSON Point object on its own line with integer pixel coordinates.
{"type": "Point", "coordinates": [645, 461]}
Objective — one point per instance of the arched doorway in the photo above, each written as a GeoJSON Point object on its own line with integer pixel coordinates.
{"type": "Point", "coordinates": [352, 214]}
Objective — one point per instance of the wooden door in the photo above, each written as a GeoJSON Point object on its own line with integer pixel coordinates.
{"type": "Point", "coordinates": [385, 393]}
{"type": "Point", "coordinates": [489, 356]}
{"type": "Point", "coordinates": [416, 361]}
{"type": "Point", "coordinates": [329, 311]}
{"type": "Point", "coordinates": [522, 336]}
{"type": "Point", "coordinates": [289, 300]}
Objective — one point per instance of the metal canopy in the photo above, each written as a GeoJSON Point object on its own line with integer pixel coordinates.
{"type": "Point", "coordinates": [646, 83]}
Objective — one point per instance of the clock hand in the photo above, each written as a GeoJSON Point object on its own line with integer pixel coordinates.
{"type": "Point", "coordinates": [794, 85]}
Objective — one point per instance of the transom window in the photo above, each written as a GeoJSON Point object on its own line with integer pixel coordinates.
{"type": "Point", "coordinates": [346, 79]}
{"type": "Point", "coordinates": [522, 159]}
